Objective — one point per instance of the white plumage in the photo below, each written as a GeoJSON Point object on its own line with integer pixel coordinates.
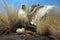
{"type": "Point", "coordinates": [20, 30]}
{"type": "Point", "coordinates": [42, 12]}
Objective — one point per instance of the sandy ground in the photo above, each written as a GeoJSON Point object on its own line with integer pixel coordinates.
{"type": "Point", "coordinates": [15, 36]}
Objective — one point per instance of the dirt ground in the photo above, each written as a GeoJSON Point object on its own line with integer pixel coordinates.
{"type": "Point", "coordinates": [15, 36]}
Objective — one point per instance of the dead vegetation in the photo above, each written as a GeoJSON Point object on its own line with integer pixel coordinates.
{"type": "Point", "coordinates": [49, 24]}
{"type": "Point", "coordinates": [8, 20]}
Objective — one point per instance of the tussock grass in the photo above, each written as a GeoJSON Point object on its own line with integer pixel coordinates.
{"type": "Point", "coordinates": [8, 20]}
{"type": "Point", "coordinates": [51, 24]}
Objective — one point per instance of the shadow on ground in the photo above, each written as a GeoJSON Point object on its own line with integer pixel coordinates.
{"type": "Point", "coordinates": [14, 36]}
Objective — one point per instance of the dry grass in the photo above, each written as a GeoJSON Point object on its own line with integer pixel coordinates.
{"type": "Point", "coordinates": [54, 25]}
{"type": "Point", "coordinates": [50, 24]}
{"type": "Point", "coordinates": [7, 21]}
